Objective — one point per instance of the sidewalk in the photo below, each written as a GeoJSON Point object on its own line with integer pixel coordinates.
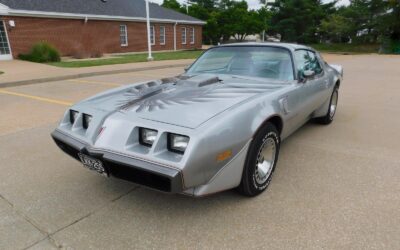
{"type": "Point", "coordinates": [17, 73]}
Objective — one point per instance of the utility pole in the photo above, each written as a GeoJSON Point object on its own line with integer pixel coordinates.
{"type": "Point", "coordinates": [150, 57]}
{"type": "Point", "coordinates": [265, 2]}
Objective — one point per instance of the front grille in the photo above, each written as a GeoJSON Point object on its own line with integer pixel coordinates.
{"type": "Point", "coordinates": [67, 149]}
{"type": "Point", "coordinates": [138, 176]}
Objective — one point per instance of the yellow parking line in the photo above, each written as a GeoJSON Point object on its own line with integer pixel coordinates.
{"type": "Point", "coordinates": [37, 98]}
{"type": "Point", "coordinates": [96, 82]}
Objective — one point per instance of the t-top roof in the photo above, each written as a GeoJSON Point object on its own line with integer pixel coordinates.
{"type": "Point", "coordinates": [290, 46]}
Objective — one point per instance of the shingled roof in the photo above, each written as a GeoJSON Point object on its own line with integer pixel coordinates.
{"type": "Point", "coordinates": [108, 9]}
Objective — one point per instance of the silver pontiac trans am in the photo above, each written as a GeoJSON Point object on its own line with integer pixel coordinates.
{"type": "Point", "coordinates": [217, 126]}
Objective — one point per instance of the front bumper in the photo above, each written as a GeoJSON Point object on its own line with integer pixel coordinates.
{"type": "Point", "coordinates": [124, 167]}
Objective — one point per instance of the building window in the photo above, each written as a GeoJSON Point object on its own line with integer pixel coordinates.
{"type": "Point", "coordinates": [162, 35]}
{"type": "Point", "coordinates": [192, 36]}
{"type": "Point", "coordinates": [123, 30]}
{"type": "Point", "coordinates": [184, 35]}
{"type": "Point", "coordinates": [152, 35]}
{"type": "Point", "coordinates": [4, 45]}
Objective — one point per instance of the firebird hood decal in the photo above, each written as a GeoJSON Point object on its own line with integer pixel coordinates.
{"type": "Point", "coordinates": [183, 101]}
{"type": "Point", "coordinates": [174, 91]}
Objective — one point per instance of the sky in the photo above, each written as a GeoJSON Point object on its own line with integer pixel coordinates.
{"type": "Point", "coordinates": [254, 4]}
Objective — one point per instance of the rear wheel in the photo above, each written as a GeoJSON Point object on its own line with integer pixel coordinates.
{"type": "Point", "coordinates": [328, 118]}
{"type": "Point", "coordinates": [261, 161]}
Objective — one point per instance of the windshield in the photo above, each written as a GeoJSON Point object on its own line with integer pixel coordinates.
{"type": "Point", "coordinates": [262, 61]}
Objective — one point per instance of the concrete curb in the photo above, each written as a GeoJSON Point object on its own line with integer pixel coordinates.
{"type": "Point", "coordinates": [89, 74]}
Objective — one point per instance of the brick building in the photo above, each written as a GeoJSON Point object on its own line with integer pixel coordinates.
{"type": "Point", "coordinates": [90, 27]}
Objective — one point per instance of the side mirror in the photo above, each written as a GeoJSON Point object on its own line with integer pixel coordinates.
{"type": "Point", "coordinates": [308, 74]}
{"type": "Point", "coordinates": [305, 75]}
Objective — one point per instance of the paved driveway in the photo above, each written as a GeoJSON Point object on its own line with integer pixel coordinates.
{"type": "Point", "coordinates": [336, 187]}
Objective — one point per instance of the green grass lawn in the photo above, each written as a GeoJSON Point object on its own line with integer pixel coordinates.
{"type": "Point", "coordinates": [347, 48]}
{"type": "Point", "coordinates": [158, 56]}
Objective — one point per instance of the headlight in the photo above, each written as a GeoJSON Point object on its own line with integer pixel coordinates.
{"type": "Point", "coordinates": [73, 115]}
{"type": "Point", "coordinates": [177, 143]}
{"type": "Point", "coordinates": [147, 136]}
{"type": "Point", "coordinates": [86, 120]}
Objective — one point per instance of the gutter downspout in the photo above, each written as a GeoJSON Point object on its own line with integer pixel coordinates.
{"type": "Point", "coordinates": [176, 23]}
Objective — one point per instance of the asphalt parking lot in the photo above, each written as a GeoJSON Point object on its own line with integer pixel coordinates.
{"type": "Point", "coordinates": [335, 187]}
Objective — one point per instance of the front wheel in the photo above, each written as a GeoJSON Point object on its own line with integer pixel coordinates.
{"type": "Point", "coordinates": [328, 118]}
{"type": "Point", "coordinates": [261, 161]}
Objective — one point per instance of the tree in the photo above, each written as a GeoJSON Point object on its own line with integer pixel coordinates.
{"type": "Point", "coordinates": [264, 16]}
{"type": "Point", "coordinates": [394, 19]}
{"type": "Point", "coordinates": [204, 10]}
{"type": "Point", "coordinates": [388, 27]}
{"type": "Point", "coordinates": [236, 20]}
{"type": "Point", "coordinates": [388, 22]}
{"type": "Point", "coordinates": [364, 17]}
{"type": "Point", "coordinates": [199, 12]}
{"type": "Point", "coordinates": [174, 5]}
{"type": "Point", "coordinates": [335, 28]}
{"type": "Point", "coordinates": [298, 20]}
{"type": "Point", "coordinates": [209, 5]}
{"type": "Point", "coordinates": [212, 31]}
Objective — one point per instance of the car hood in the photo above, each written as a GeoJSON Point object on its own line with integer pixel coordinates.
{"type": "Point", "coordinates": [186, 101]}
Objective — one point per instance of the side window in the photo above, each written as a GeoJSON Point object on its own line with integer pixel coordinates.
{"type": "Point", "coordinates": [302, 59]}
{"type": "Point", "coordinates": [307, 60]}
{"type": "Point", "coordinates": [314, 63]}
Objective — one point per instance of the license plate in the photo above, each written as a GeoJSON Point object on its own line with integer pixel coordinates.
{"type": "Point", "coordinates": [93, 164]}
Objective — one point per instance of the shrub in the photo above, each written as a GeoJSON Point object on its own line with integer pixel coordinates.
{"type": "Point", "coordinates": [396, 47]}
{"type": "Point", "coordinates": [390, 46]}
{"type": "Point", "coordinates": [42, 52]}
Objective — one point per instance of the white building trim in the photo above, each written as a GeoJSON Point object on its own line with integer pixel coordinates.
{"type": "Point", "coordinates": [3, 9]}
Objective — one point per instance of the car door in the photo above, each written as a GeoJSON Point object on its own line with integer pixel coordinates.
{"type": "Point", "coordinates": [307, 96]}
{"type": "Point", "coordinates": [311, 88]}
{"type": "Point", "coordinates": [321, 79]}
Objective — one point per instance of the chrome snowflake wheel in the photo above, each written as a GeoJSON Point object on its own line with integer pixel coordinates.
{"type": "Point", "coordinates": [334, 101]}
{"type": "Point", "coordinates": [265, 161]}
